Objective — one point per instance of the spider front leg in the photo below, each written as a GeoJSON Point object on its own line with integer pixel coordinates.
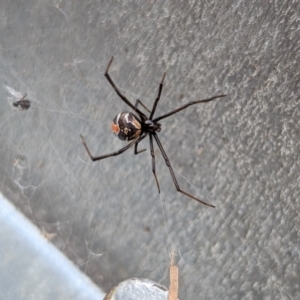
{"type": "Point", "coordinates": [158, 96]}
{"type": "Point", "coordinates": [172, 172]}
{"type": "Point", "coordinates": [95, 158]}
{"type": "Point", "coordinates": [153, 161]}
{"type": "Point", "coordinates": [185, 106]}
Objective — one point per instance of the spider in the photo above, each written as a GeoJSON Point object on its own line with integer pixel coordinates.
{"type": "Point", "coordinates": [130, 127]}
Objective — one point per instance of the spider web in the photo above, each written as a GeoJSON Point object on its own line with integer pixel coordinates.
{"type": "Point", "coordinates": [239, 153]}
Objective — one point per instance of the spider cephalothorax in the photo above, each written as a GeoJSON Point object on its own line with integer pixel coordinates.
{"type": "Point", "coordinates": [128, 127]}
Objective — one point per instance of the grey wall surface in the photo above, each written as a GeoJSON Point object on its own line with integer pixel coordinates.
{"type": "Point", "coordinates": [240, 153]}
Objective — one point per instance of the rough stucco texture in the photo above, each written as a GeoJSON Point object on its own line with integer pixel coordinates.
{"type": "Point", "coordinates": [241, 152]}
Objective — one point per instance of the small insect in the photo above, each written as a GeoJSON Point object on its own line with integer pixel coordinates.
{"type": "Point", "coordinates": [130, 127]}
{"type": "Point", "coordinates": [23, 103]}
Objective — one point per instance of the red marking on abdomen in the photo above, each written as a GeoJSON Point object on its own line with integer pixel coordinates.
{"type": "Point", "coordinates": [115, 128]}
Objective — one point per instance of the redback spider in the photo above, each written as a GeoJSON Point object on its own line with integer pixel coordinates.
{"type": "Point", "coordinates": [130, 127]}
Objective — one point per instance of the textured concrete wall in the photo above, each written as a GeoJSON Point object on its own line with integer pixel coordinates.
{"type": "Point", "coordinates": [240, 152]}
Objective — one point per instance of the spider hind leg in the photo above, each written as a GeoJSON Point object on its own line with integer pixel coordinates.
{"type": "Point", "coordinates": [95, 158]}
{"type": "Point", "coordinates": [136, 149]}
{"type": "Point", "coordinates": [141, 103]}
{"type": "Point", "coordinates": [106, 74]}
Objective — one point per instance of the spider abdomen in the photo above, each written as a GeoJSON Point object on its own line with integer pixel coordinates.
{"type": "Point", "coordinates": [126, 126]}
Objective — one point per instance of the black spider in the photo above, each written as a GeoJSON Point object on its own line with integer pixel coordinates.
{"type": "Point", "coordinates": [128, 127]}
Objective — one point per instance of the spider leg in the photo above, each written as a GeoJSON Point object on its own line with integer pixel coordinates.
{"type": "Point", "coordinates": [187, 105]}
{"type": "Point", "coordinates": [140, 102]}
{"type": "Point", "coordinates": [94, 158]}
{"type": "Point", "coordinates": [172, 172]}
{"type": "Point", "coordinates": [118, 91]}
{"type": "Point", "coordinates": [158, 96]}
{"type": "Point", "coordinates": [153, 161]}
{"type": "Point", "coordinates": [135, 149]}
{"type": "Point", "coordinates": [24, 96]}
